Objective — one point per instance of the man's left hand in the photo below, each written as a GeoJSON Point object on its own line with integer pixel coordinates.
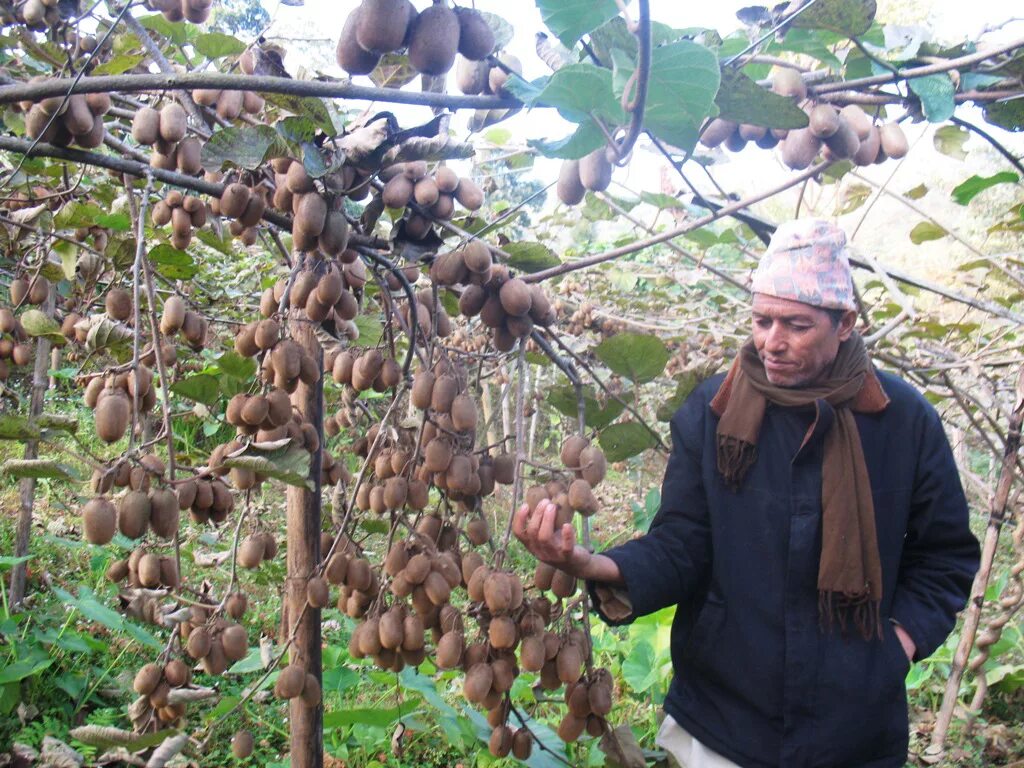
{"type": "Point", "coordinates": [909, 646]}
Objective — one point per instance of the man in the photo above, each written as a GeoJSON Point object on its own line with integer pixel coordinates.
{"type": "Point", "coordinates": [812, 532]}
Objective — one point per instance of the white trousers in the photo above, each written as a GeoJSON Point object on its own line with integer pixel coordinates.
{"type": "Point", "coordinates": [686, 750]}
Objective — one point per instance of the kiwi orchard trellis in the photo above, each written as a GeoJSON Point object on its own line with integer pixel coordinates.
{"type": "Point", "coordinates": [274, 162]}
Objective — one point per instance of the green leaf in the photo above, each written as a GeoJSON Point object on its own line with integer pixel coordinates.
{"type": "Point", "coordinates": [950, 140]}
{"type": "Point", "coordinates": [640, 669]}
{"type": "Point", "coordinates": [966, 191]}
{"type": "Point", "coordinates": [39, 468]}
{"type": "Point", "coordinates": [917, 192]}
{"type": "Point", "coordinates": [172, 263]}
{"type": "Point", "coordinates": [569, 20]}
{"type": "Point", "coordinates": [638, 357]}
{"type": "Point", "coordinates": [233, 364]}
{"type": "Point", "coordinates": [289, 464]}
{"type": "Point", "coordinates": [174, 31]}
{"type": "Point", "coordinates": [19, 670]}
{"type": "Point", "coordinates": [576, 91]}
{"type": "Point", "coordinates": [203, 388]}
{"type": "Point", "coordinates": [850, 18]}
{"type": "Point", "coordinates": [17, 428]}
{"type": "Point", "coordinates": [7, 561]}
{"type": "Point", "coordinates": [662, 201]}
{"type": "Point", "coordinates": [376, 716]}
{"type": "Point", "coordinates": [1006, 114]}
{"type": "Point", "coordinates": [625, 440]}
{"type": "Point", "coordinates": [214, 45]}
{"type": "Point", "coordinates": [393, 71]}
{"type": "Point", "coordinates": [76, 215]}
{"type": "Point", "coordinates": [596, 417]}
{"type": "Point", "coordinates": [246, 146]}
{"type": "Point", "coordinates": [936, 95]}
{"type": "Point", "coordinates": [93, 610]}
{"type": "Point", "coordinates": [681, 92]}
{"type": "Point", "coordinates": [304, 106]}
{"type": "Point", "coordinates": [584, 140]}
{"type": "Point", "coordinates": [118, 65]}
{"type": "Point", "coordinates": [503, 31]}
{"type": "Point", "coordinates": [686, 382]}
{"type": "Point", "coordinates": [926, 231]}
{"type": "Point", "coordinates": [370, 331]}
{"type": "Point", "coordinates": [37, 323]}
{"type": "Point", "coordinates": [742, 100]}
{"type": "Point", "coordinates": [531, 257]}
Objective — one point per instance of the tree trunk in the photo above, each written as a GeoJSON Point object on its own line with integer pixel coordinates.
{"type": "Point", "coordinates": [303, 545]}
{"type": "Point", "coordinates": [28, 484]}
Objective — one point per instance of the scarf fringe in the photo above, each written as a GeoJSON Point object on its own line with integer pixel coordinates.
{"type": "Point", "coordinates": [735, 457]}
{"type": "Point", "coordinates": [840, 608]}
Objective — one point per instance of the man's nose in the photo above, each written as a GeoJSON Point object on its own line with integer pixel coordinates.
{"type": "Point", "coordinates": [775, 341]}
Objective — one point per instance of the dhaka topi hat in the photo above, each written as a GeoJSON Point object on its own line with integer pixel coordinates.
{"type": "Point", "coordinates": [806, 261]}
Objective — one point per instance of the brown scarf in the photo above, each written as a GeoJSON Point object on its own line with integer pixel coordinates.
{"type": "Point", "coordinates": [850, 571]}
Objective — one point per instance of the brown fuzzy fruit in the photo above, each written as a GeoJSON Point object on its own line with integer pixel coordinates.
{"type": "Point", "coordinates": [349, 54]}
{"type": "Point", "coordinates": [146, 126]}
{"type": "Point", "coordinates": [434, 40]}
{"type": "Point", "coordinates": [318, 593]}
{"type": "Point", "coordinates": [251, 551]}
{"type": "Point", "coordinates": [449, 651]}
{"type": "Point", "coordinates": [383, 25]}
{"type": "Point", "coordinates": [163, 517]}
{"type": "Point", "coordinates": [595, 171]}
{"type": "Point", "coordinates": [235, 642]}
{"type": "Point", "coordinates": [149, 570]}
{"type": "Point", "coordinates": [133, 514]}
{"type": "Point", "coordinates": [500, 743]}
{"type": "Point", "coordinates": [199, 643]}
{"type": "Point", "coordinates": [118, 304]}
{"type": "Point", "coordinates": [147, 679]}
{"type": "Point", "coordinates": [593, 465]}
{"type": "Point", "coordinates": [571, 449]}
{"type": "Point", "coordinates": [570, 188]}
{"type": "Point", "coordinates": [99, 520]}
{"type": "Point", "coordinates": [242, 744]}
{"type": "Point", "coordinates": [571, 727]}
{"type": "Point", "coordinates": [788, 82]}
{"type": "Point", "coordinates": [478, 682]}
{"type": "Point", "coordinates": [290, 682]}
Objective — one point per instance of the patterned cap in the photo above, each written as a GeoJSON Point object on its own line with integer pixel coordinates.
{"type": "Point", "coordinates": [806, 261]}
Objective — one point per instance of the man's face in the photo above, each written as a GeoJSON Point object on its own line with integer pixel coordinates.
{"type": "Point", "coordinates": [796, 342]}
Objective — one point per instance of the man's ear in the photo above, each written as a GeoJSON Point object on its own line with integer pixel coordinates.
{"type": "Point", "coordinates": [846, 324]}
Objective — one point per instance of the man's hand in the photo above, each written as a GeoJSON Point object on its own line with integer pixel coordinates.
{"type": "Point", "coordinates": [558, 547]}
{"type": "Point", "coordinates": [909, 646]}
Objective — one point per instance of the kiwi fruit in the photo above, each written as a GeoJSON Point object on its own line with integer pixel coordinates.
{"type": "Point", "coordinates": [149, 570]}
{"type": "Point", "coordinates": [118, 304]}
{"type": "Point", "coordinates": [464, 413]}
{"type": "Point", "coordinates": [476, 39]}
{"type": "Point", "coordinates": [497, 77]}
{"type": "Point", "coordinates": [823, 121]}
{"type": "Point", "coordinates": [290, 682]}
{"type": "Point", "coordinates": [868, 149]}
{"type": "Point", "coordinates": [78, 118]}
{"type": "Point", "coordinates": [844, 143]}
{"type": "Point", "coordinates": [857, 119]}
{"type": "Point", "coordinates": [199, 643]}
{"type": "Point", "coordinates": [800, 148]}
{"type": "Point", "coordinates": [173, 123]}
{"type": "Point", "coordinates": [234, 199]}
{"type": "Point", "coordinates": [112, 414]}
{"type": "Point", "coordinates": [251, 551]}
{"type": "Point", "coordinates": [570, 188]}
{"type": "Point", "coordinates": [242, 744]}
{"type": "Point", "coordinates": [716, 132]}
{"type": "Point", "coordinates": [595, 171]}
{"type": "Point", "coordinates": [788, 82]}
{"type": "Point", "coordinates": [235, 642]}
{"type": "Point", "coordinates": [382, 25]}
{"type": "Point", "coordinates": [471, 76]}
{"type": "Point", "coordinates": [500, 743]}
{"type": "Point", "coordinates": [893, 141]}
{"type": "Point", "coordinates": [163, 517]}
{"type": "Point", "coordinates": [147, 679]}
{"type": "Point", "coordinates": [478, 682]}
{"type": "Point", "coordinates": [146, 126]}
{"type": "Point", "coordinates": [434, 40]}
{"type": "Point", "coordinates": [469, 195]}
{"type": "Point", "coordinates": [349, 54]}
{"type": "Point", "coordinates": [522, 744]}
{"type": "Point", "coordinates": [571, 727]}
{"type": "Point", "coordinates": [177, 673]}
{"type": "Point", "coordinates": [515, 297]}
{"type": "Point", "coordinates": [99, 521]}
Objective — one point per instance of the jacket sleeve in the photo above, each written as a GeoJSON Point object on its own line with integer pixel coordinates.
{"type": "Point", "coordinates": [664, 566]}
{"type": "Point", "coordinates": [940, 554]}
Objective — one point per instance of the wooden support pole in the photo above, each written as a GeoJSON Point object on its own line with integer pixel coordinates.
{"type": "Point", "coordinates": [303, 544]}
{"type": "Point", "coordinates": [972, 618]}
{"type": "Point", "coordinates": [40, 380]}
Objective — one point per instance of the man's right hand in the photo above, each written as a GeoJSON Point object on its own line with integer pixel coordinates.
{"type": "Point", "coordinates": [536, 530]}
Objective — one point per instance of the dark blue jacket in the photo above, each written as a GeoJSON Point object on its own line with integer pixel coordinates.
{"type": "Point", "coordinates": [756, 679]}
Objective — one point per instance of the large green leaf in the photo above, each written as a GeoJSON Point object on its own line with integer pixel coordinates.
{"type": "Point", "coordinates": [1006, 114]}
{"type": "Point", "coordinates": [638, 357]}
{"type": "Point", "coordinates": [117, 65]}
{"type": "Point", "coordinates": [686, 382]}
{"type": "Point", "coordinates": [577, 91]}
{"type": "Point", "coordinates": [584, 140]}
{"type": "Point", "coordinates": [289, 464]}
{"type": "Point", "coordinates": [681, 92]}
{"type": "Point", "coordinates": [305, 106]}
{"type": "Point", "coordinates": [569, 20]}
{"type": "Point", "coordinates": [850, 18]}
{"type": "Point", "coordinates": [966, 191]}
{"type": "Point", "coordinates": [531, 257]}
{"type": "Point", "coordinates": [936, 95]}
{"type": "Point", "coordinates": [23, 668]}
{"type": "Point", "coordinates": [246, 146]}
{"type": "Point", "coordinates": [203, 388]}
{"type": "Point", "coordinates": [950, 140]}
{"type": "Point", "coordinates": [214, 45]}
{"type": "Point", "coordinates": [595, 415]}
{"type": "Point", "coordinates": [37, 323]}
{"type": "Point", "coordinates": [377, 716]}
{"type": "Point", "coordinates": [625, 440]}
{"type": "Point", "coordinates": [94, 610]}
{"type": "Point", "coordinates": [742, 100]}
{"type": "Point", "coordinates": [172, 263]}
{"type": "Point", "coordinates": [175, 31]}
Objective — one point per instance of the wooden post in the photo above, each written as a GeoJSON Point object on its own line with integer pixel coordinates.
{"type": "Point", "coordinates": [40, 380]}
{"type": "Point", "coordinates": [303, 545]}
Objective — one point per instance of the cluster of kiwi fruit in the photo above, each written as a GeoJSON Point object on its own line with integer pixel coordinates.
{"type": "Point", "coordinates": [146, 570]}
{"type": "Point", "coordinates": [100, 236]}
{"type": "Point", "coordinates": [35, 14]}
{"type": "Point", "coordinates": [285, 363]}
{"type": "Point", "coordinates": [142, 507]}
{"type": "Point", "coordinates": [431, 315]}
{"type": "Point", "coordinates": [77, 119]}
{"type": "Point", "coordinates": [212, 640]}
{"type": "Point", "coordinates": [432, 37]}
{"type": "Point", "coordinates": [207, 498]}
{"type": "Point", "coordinates": [14, 346]}
{"type": "Point", "coordinates": [229, 104]}
{"type": "Point", "coordinates": [592, 172]}
{"type": "Point", "coordinates": [434, 194]}
{"type": "Point", "coordinates": [370, 370]}
{"type": "Point", "coordinates": [294, 682]}
{"type": "Point", "coordinates": [255, 548]}
{"type": "Point", "coordinates": [155, 684]}
{"type": "Point", "coordinates": [846, 134]}
{"type": "Point", "coordinates": [243, 204]}
{"type": "Point", "coordinates": [111, 395]}
{"type": "Point", "coordinates": [322, 290]}
{"type": "Point", "coordinates": [176, 316]}
{"type": "Point", "coordinates": [317, 222]}
{"type": "Point", "coordinates": [507, 305]}
{"type": "Point", "coordinates": [195, 11]}
{"type": "Point", "coordinates": [182, 212]}
{"type": "Point", "coordinates": [17, 200]}
{"type": "Point", "coordinates": [165, 131]}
